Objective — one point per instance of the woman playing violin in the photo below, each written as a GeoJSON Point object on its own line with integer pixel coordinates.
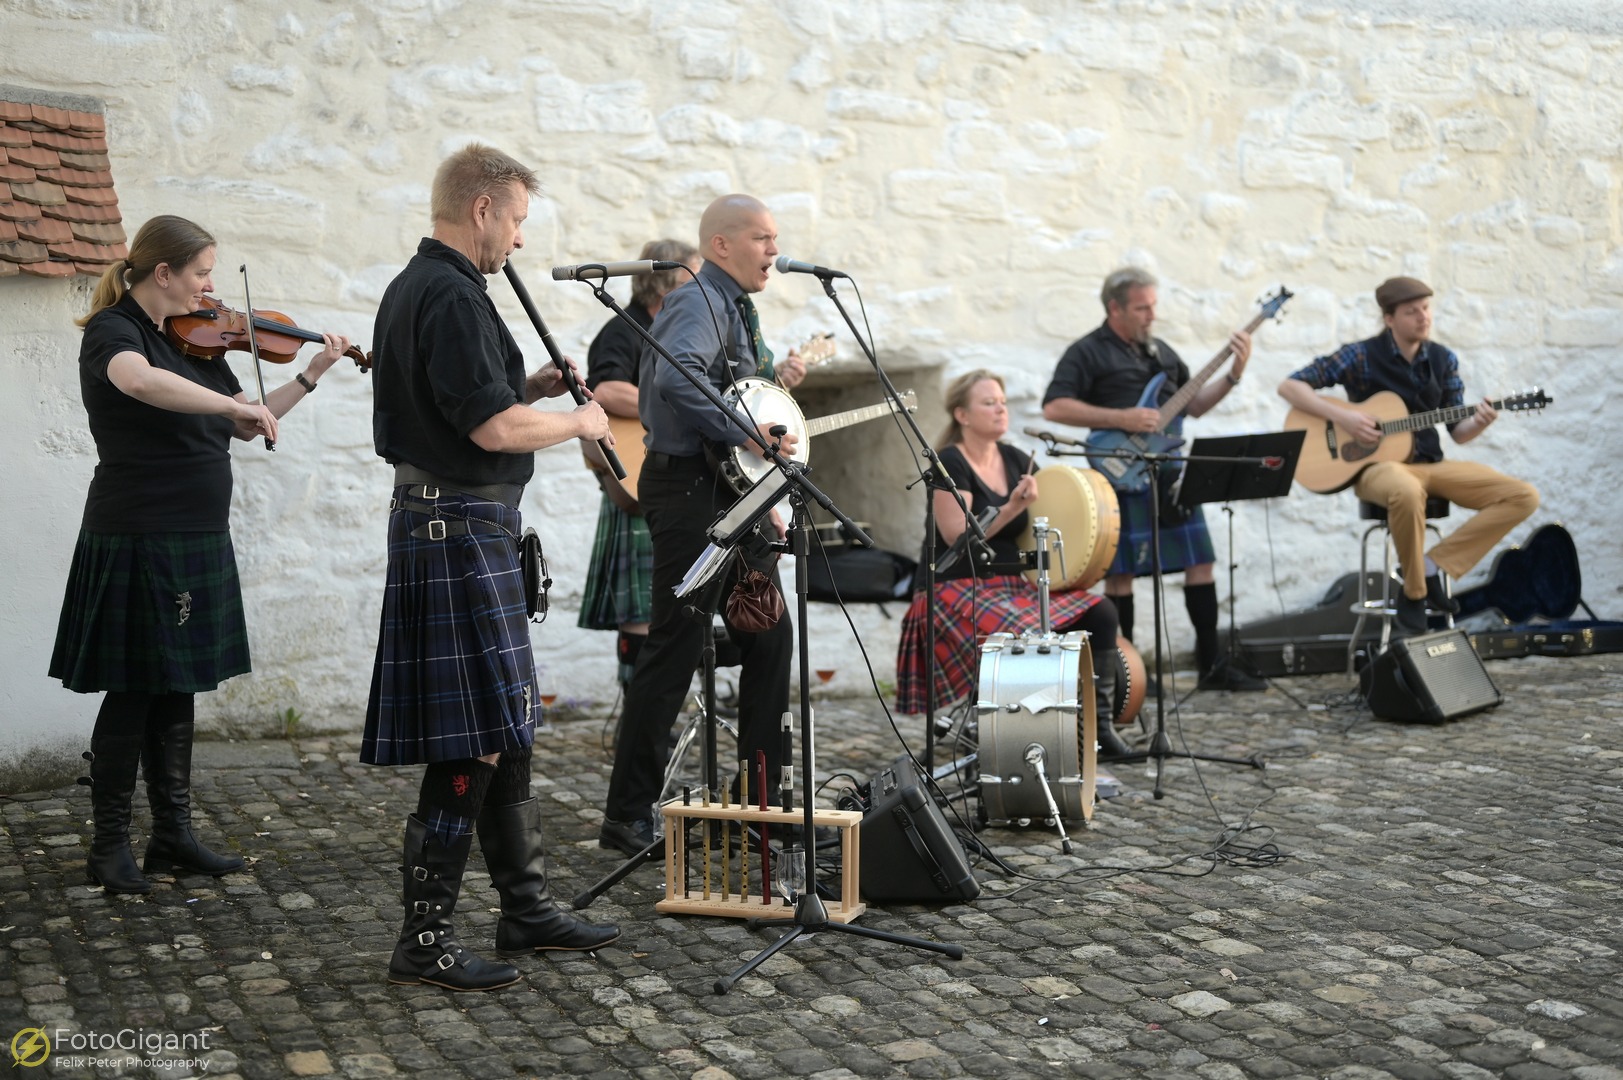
{"type": "Point", "coordinates": [153, 608]}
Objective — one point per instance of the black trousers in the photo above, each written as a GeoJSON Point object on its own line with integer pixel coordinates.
{"type": "Point", "coordinates": [680, 498]}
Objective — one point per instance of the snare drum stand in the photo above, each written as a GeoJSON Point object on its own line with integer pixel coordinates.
{"type": "Point", "coordinates": [1160, 745]}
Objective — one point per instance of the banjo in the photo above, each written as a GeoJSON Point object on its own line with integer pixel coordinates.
{"type": "Point", "coordinates": [765, 402]}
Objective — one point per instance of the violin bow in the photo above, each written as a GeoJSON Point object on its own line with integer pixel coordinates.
{"type": "Point", "coordinates": [558, 359]}
{"type": "Point", "coordinates": [253, 347]}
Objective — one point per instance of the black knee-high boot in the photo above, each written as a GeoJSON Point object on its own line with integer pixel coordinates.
{"type": "Point", "coordinates": [173, 846]}
{"type": "Point", "coordinates": [428, 951]}
{"type": "Point", "coordinates": [510, 837]}
{"type": "Point", "coordinates": [111, 864]}
{"type": "Point", "coordinates": [1111, 746]}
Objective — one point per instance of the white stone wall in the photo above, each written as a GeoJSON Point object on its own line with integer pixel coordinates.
{"type": "Point", "coordinates": [978, 166]}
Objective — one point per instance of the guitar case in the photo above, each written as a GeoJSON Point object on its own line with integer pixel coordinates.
{"type": "Point", "coordinates": [1525, 607]}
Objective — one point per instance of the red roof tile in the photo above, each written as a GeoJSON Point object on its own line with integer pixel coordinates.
{"type": "Point", "coordinates": [59, 212]}
{"type": "Point", "coordinates": [45, 231]}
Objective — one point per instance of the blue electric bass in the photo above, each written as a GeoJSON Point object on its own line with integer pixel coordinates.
{"type": "Point", "coordinates": [1133, 475]}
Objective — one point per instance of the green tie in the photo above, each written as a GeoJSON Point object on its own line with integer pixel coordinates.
{"type": "Point", "coordinates": [752, 319]}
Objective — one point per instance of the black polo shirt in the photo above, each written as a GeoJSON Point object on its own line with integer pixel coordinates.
{"type": "Point", "coordinates": [616, 351]}
{"type": "Point", "coordinates": [444, 363]}
{"type": "Point", "coordinates": [1102, 369]}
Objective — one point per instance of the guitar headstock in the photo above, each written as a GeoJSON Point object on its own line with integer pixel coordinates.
{"type": "Point", "coordinates": [818, 349]}
{"type": "Point", "coordinates": [1271, 304]}
{"type": "Point", "coordinates": [1532, 400]}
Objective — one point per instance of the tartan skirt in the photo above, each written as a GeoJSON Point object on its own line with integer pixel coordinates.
{"type": "Point", "coordinates": [152, 613]}
{"type": "Point", "coordinates": [1182, 546]}
{"type": "Point", "coordinates": [620, 577]}
{"type": "Point", "coordinates": [454, 677]}
{"type": "Point", "coordinates": [1006, 603]}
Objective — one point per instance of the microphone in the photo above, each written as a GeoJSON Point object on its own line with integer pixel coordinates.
{"type": "Point", "coordinates": [1038, 433]}
{"type": "Point", "coordinates": [786, 265]}
{"type": "Point", "coordinates": [589, 271]}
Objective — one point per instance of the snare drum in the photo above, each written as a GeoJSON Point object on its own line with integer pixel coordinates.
{"type": "Point", "coordinates": [1031, 688]}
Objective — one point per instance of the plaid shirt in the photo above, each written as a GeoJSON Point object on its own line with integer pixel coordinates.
{"type": "Point", "coordinates": [1367, 367]}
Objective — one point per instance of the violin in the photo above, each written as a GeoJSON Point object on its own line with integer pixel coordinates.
{"type": "Point", "coordinates": [211, 331]}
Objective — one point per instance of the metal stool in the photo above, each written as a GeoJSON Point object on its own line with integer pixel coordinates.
{"type": "Point", "coordinates": [1385, 608]}
{"type": "Point", "coordinates": [676, 775]}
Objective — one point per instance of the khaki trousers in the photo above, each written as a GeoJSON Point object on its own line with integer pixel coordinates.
{"type": "Point", "coordinates": [1501, 503]}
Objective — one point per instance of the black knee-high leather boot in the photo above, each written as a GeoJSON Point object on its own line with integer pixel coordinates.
{"type": "Point", "coordinates": [111, 864]}
{"type": "Point", "coordinates": [1111, 746]}
{"type": "Point", "coordinates": [428, 951]}
{"type": "Point", "coordinates": [167, 763]}
{"type": "Point", "coordinates": [510, 837]}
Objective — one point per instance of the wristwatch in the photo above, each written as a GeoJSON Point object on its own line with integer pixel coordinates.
{"type": "Point", "coordinates": [310, 387]}
{"type": "Point", "coordinates": [1234, 380]}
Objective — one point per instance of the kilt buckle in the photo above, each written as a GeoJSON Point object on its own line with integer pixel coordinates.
{"type": "Point", "coordinates": [436, 529]}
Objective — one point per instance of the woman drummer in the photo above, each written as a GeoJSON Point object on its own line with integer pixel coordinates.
{"type": "Point", "coordinates": [153, 609]}
{"type": "Point", "coordinates": [980, 595]}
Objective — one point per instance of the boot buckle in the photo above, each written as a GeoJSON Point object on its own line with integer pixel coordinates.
{"type": "Point", "coordinates": [419, 907]}
{"type": "Point", "coordinates": [445, 961]}
{"type": "Point", "coordinates": [426, 938]}
{"type": "Point", "coordinates": [419, 873]}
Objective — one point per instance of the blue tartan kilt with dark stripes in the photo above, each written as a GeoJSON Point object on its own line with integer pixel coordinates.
{"type": "Point", "coordinates": [1006, 603]}
{"type": "Point", "coordinates": [620, 577]}
{"type": "Point", "coordinates": [151, 613]}
{"type": "Point", "coordinates": [454, 676]}
{"type": "Point", "coordinates": [1182, 546]}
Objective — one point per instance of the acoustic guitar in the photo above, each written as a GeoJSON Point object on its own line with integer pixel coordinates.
{"type": "Point", "coordinates": [628, 433]}
{"type": "Point", "coordinates": [1332, 459]}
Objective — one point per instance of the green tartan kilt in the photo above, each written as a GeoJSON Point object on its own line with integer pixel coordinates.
{"type": "Point", "coordinates": [620, 577]}
{"type": "Point", "coordinates": [157, 613]}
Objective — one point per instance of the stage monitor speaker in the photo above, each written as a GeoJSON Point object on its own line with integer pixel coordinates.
{"type": "Point", "coordinates": [908, 851]}
{"type": "Point", "coordinates": [1429, 678]}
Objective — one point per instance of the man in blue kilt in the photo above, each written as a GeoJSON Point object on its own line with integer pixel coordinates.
{"type": "Point", "coordinates": [453, 686]}
{"type": "Point", "coordinates": [1098, 384]}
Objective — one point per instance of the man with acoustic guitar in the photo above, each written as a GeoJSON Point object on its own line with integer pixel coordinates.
{"type": "Point", "coordinates": [681, 492]}
{"type": "Point", "coordinates": [1101, 383]}
{"type": "Point", "coordinates": [1403, 360]}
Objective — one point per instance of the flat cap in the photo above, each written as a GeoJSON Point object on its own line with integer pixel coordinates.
{"type": "Point", "coordinates": [1395, 292]}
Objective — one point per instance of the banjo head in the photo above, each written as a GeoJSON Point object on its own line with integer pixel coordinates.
{"type": "Point", "coordinates": [765, 402]}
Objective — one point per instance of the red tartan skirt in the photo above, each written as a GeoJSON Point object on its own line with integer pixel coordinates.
{"type": "Point", "coordinates": [967, 610]}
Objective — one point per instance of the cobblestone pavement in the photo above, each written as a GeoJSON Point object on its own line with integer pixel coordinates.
{"type": "Point", "coordinates": [1393, 900]}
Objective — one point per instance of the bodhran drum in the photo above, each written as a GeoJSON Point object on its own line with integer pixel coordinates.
{"type": "Point", "coordinates": [1131, 683]}
{"type": "Point", "coordinates": [1036, 691]}
{"type": "Point", "coordinates": [1081, 504]}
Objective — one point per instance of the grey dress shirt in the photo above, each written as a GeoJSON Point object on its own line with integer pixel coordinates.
{"type": "Point", "coordinates": [678, 417]}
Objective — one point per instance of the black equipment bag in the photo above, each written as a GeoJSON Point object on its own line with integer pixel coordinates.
{"type": "Point", "coordinates": [858, 575]}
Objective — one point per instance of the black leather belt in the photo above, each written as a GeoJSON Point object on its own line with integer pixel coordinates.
{"type": "Point", "coordinates": [661, 460]}
{"type": "Point", "coordinates": [506, 494]}
{"type": "Point", "coordinates": [439, 528]}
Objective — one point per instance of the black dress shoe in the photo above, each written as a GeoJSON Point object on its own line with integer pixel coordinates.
{"type": "Point", "coordinates": [1411, 617]}
{"type": "Point", "coordinates": [1225, 676]}
{"type": "Point", "coordinates": [630, 837]}
{"type": "Point", "coordinates": [1438, 597]}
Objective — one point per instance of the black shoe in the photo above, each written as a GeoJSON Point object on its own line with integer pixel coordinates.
{"type": "Point", "coordinates": [1437, 597]}
{"type": "Point", "coordinates": [1111, 746]}
{"type": "Point", "coordinates": [1225, 676]}
{"type": "Point", "coordinates": [1411, 617]}
{"type": "Point", "coordinates": [630, 837]}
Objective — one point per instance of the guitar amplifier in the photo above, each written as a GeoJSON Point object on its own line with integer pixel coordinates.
{"type": "Point", "coordinates": [908, 852]}
{"type": "Point", "coordinates": [1428, 678]}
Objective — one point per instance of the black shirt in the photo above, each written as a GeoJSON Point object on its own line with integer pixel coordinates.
{"type": "Point", "coordinates": [615, 353]}
{"type": "Point", "coordinates": [1006, 541]}
{"type": "Point", "coordinates": [157, 470]}
{"type": "Point", "coordinates": [444, 363]}
{"type": "Point", "coordinates": [1102, 369]}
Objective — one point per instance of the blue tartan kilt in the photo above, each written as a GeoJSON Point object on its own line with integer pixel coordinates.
{"type": "Point", "coordinates": [152, 613]}
{"type": "Point", "coordinates": [620, 577]}
{"type": "Point", "coordinates": [454, 676]}
{"type": "Point", "coordinates": [1006, 603]}
{"type": "Point", "coordinates": [1182, 546]}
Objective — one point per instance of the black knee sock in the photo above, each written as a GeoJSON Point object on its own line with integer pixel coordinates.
{"type": "Point", "coordinates": [627, 649]}
{"type": "Point", "coordinates": [1201, 603]}
{"type": "Point", "coordinates": [451, 796]}
{"type": "Point", "coordinates": [1124, 613]}
{"type": "Point", "coordinates": [123, 715]}
{"type": "Point", "coordinates": [511, 784]}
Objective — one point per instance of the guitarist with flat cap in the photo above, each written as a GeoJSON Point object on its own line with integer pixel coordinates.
{"type": "Point", "coordinates": [1403, 360]}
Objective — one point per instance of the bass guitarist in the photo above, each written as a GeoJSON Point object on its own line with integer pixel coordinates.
{"type": "Point", "coordinates": [1100, 383]}
{"type": "Point", "coordinates": [1404, 360]}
